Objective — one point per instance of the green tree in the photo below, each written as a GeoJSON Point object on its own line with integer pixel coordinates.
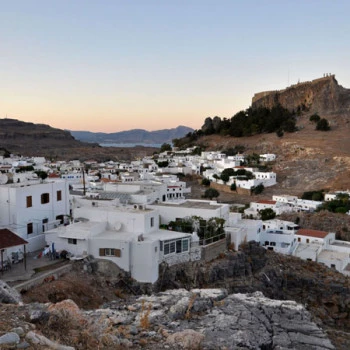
{"type": "Point", "coordinates": [42, 174]}
{"type": "Point", "coordinates": [224, 177]}
{"type": "Point", "coordinates": [211, 193]}
{"type": "Point", "coordinates": [267, 214]}
{"type": "Point", "coordinates": [163, 164]}
{"type": "Point", "coordinates": [257, 189]}
{"type": "Point", "coordinates": [165, 147]}
{"type": "Point", "coordinates": [205, 182]}
{"type": "Point", "coordinates": [317, 196]}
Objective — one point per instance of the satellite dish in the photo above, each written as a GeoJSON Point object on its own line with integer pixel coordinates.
{"type": "Point", "coordinates": [3, 179]}
{"type": "Point", "coordinates": [117, 226]}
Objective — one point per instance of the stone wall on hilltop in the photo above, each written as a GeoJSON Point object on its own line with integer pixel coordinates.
{"type": "Point", "coordinates": [323, 96]}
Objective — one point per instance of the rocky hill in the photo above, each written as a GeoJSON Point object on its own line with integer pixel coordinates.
{"type": "Point", "coordinates": [307, 159]}
{"type": "Point", "coordinates": [261, 300]}
{"type": "Point", "coordinates": [323, 96]}
{"type": "Point", "coordinates": [133, 136]}
{"type": "Point", "coordinates": [30, 139]}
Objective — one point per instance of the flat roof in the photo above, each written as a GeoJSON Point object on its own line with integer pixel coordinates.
{"type": "Point", "coordinates": [332, 255]}
{"type": "Point", "coordinates": [162, 235]}
{"type": "Point", "coordinates": [307, 247]}
{"type": "Point", "coordinates": [341, 243]}
{"type": "Point", "coordinates": [192, 204]}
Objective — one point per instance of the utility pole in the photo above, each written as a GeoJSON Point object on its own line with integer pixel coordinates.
{"type": "Point", "coordinates": [84, 189]}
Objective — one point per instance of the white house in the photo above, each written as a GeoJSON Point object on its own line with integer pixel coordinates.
{"type": "Point", "coordinates": [205, 209]}
{"type": "Point", "coordinates": [31, 209]}
{"type": "Point", "coordinates": [279, 235]}
{"type": "Point", "coordinates": [255, 207]}
{"type": "Point", "coordinates": [128, 236]}
{"type": "Point", "coordinates": [268, 157]}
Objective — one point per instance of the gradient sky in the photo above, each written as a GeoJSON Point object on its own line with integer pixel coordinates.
{"type": "Point", "coordinates": [113, 65]}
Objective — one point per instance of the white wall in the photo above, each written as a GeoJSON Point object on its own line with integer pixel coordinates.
{"type": "Point", "coordinates": [145, 261]}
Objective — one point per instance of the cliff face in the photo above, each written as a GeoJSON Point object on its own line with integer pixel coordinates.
{"type": "Point", "coordinates": [323, 96]}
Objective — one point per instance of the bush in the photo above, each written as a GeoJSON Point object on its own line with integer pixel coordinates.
{"type": "Point", "coordinates": [323, 125]}
{"type": "Point", "coordinates": [279, 133]}
{"type": "Point", "coordinates": [313, 195]}
{"type": "Point", "coordinates": [233, 187]}
{"type": "Point", "coordinates": [315, 118]}
{"type": "Point", "coordinates": [205, 182]}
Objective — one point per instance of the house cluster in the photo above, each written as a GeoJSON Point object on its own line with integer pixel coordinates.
{"type": "Point", "coordinates": [215, 163]}
{"type": "Point", "coordinates": [130, 213]}
{"type": "Point", "coordinates": [282, 204]}
{"type": "Point", "coordinates": [287, 238]}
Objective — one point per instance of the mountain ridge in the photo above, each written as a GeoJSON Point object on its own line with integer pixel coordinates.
{"type": "Point", "coordinates": [133, 136]}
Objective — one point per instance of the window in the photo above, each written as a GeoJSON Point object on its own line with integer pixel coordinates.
{"type": "Point", "coordinates": [110, 252]}
{"type": "Point", "coordinates": [29, 201]}
{"type": "Point", "coordinates": [299, 239]}
{"type": "Point", "coordinates": [59, 196]}
{"type": "Point", "coordinates": [72, 240]}
{"type": "Point", "coordinates": [185, 245]}
{"type": "Point", "coordinates": [45, 198]}
{"type": "Point", "coordinates": [29, 228]}
{"type": "Point", "coordinates": [175, 246]}
{"type": "Point", "coordinates": [307, 240]}
{"type": "Point", "coordinates": [152, 222]}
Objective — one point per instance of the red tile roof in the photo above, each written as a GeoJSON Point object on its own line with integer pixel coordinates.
{"type": "Point", "coordinates": [263, 201]}
{"type": "Point", "coordinates": [312, 233]}
{"type": "Point", "coordinates": [9, 239]}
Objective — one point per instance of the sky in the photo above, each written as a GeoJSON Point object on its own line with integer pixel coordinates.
{"type": "Point", "coordinates": [115, 65]}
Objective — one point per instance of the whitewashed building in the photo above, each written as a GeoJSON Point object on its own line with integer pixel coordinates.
{"type": "Point", "coordinates": [126, 235]}
{"type": "Point", "coordinates": [31, 209]}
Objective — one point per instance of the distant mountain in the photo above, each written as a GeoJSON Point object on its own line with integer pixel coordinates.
{"type": "Point", "coordinates": [29, 139]}
{"type": "Point", "coordinates": [133, 136]}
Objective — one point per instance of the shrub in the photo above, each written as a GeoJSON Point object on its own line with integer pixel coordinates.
{"type": "Point", "coordinates": [323, 125]}
{"type": "Point", "coordinates": [205, 182]}
{"type": "Point", "coordinates": [315, 118]}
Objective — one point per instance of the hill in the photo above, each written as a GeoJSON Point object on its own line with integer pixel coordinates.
{"type": "Point", "coordinates": [30, 139]}
{"type": "Point", "coordinates": [307, 159]}
{"type": "Point", "coordinates": [133, 136]}
{"type": "Point", "coordinates": [323, 95]}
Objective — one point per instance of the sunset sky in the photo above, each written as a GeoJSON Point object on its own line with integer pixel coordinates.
{"type": "Point", "coordinates": [112, 65]}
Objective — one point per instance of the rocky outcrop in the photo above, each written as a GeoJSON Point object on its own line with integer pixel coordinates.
{"type": "Point", "coordinates": [8, 295]}
{"type": "Point", "coordinates": [323, 96]}
{"type": "Point", "coordinates": [175, 319]}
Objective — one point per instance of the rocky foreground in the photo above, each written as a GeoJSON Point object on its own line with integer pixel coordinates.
{"type": "Point", "coordinates": [175, 319]}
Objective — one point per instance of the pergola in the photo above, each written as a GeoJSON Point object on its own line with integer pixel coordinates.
{"type": "Point", "coordinates": [8, 239]}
